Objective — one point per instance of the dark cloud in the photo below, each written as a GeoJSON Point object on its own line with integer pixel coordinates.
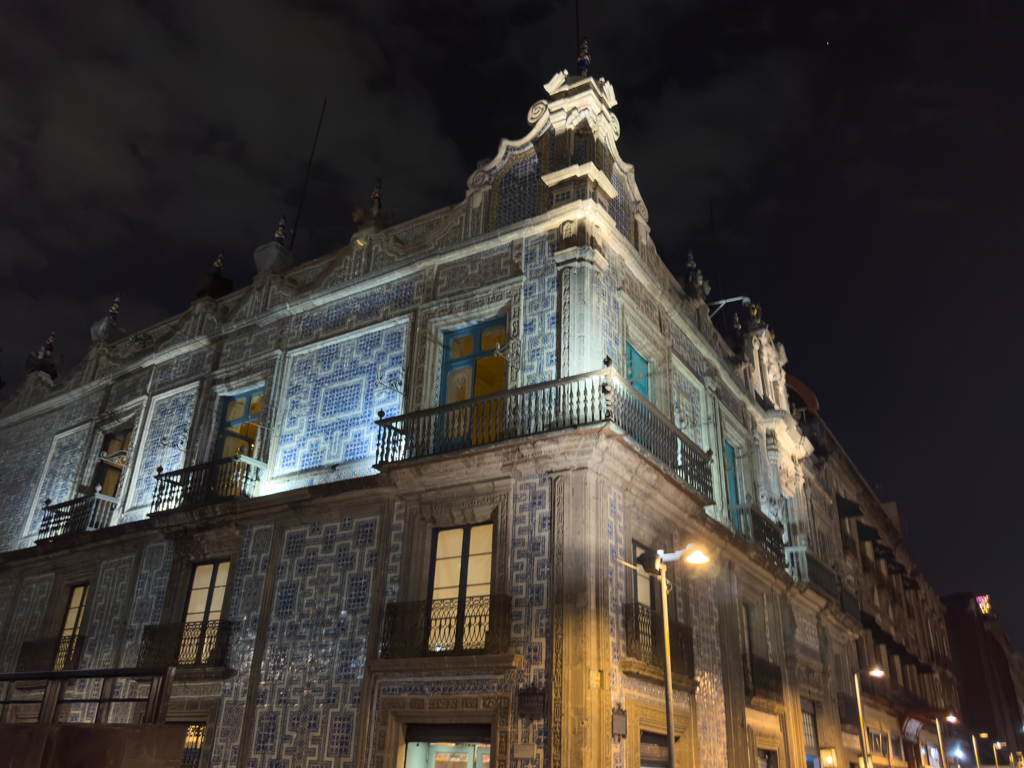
{"type": "Point", "coordinates": [862, 161]}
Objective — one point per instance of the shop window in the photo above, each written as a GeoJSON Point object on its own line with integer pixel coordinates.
{"type": "Point", "coordinates": [112, 461]}
{"type": "Point", "coordinates": [460, 587]}
{"type": "Point", "coordinates": [203, 612]}
{"type": "Point", "coordinates": [71, 626]}
{"type": "Point", "coordinates": [239, 424]}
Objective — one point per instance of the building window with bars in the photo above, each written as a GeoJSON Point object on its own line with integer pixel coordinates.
{"type": "Point", "coordinates": [71, 627]}
{"type": "Point", "coordinates": [193, 750]}
{"type": "Point", "coordinates": [460, 588]}
{"type": "Point", "coordinates": [203, 612]}
{"type": "Point", "coordinates": [810, 724]}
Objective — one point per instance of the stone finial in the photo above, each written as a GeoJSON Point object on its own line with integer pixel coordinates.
{"type": "Point", "coordinates": [737, 326]}
{"type": "Point", "coordinates": [216, 284]}
{"type": "Point", "coordinates": [42, 360]}
{"type": "Point", "coordinates": [115, 309]}
{"type": "Point", "coordinates": [274, 256]}
{"type": "Point", "coordinates": [105, 330]}
{"type": "Point", "coordinates": [281, 226]}
{"type": "Point", "coordinates": [583, 59]}
{"type": "Point", "coordinates": [376, 200]}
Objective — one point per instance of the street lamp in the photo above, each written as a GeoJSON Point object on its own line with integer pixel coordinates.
{"type": "Point", "coordinates": [997, 745]}
{"type": "Point", "coordinates": [875, 671]}
{"type": "Point", "coordinates": [654, 564]}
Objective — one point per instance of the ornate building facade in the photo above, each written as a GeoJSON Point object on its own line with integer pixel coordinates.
{"type": "Point", "coordinates": [380, 509]}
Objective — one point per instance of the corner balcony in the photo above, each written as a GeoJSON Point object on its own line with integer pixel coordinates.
{"type": "Point", "coordinates": [451, 627]}
{"type": "Point", "coordinates": [759, 530]}
{"type": "Point", "coordinates": [222, 480]}
{"type": "Point", "coordinates": [805, 566]}
{"type": "Point", "coordinates": [88, 513]}
{"type": "Point", "coordinates": [586, 400]}
{"type": "Point", "coordinates": [644, 643]}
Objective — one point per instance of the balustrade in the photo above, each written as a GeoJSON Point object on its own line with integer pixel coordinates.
{"type": "Point", "coordinates": [756, 528]}
{"type": "Point", "coordinates": [463, 625]}
{"type": "Point", "coordinates": [192, 644]}
{"type": "Point", "coordinates": [805, 566]}
{"type": "Point", "coordinates": [87, 513]}
{"type": "Point", "coordinates": [762, 678]}
{"type": "Point", "coordinates": [222, 480]}
{"type": "Point", "coordinates": [644, 643]}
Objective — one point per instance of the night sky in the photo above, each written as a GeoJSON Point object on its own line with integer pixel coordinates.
{"type": "Point", "coordinates": [863, 162]}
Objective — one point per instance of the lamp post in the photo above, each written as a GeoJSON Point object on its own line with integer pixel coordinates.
{"type": "Point", "coordinates": [654, 564]}
{"type": "Point", "coordinates": [974, 741]}
{"type": "Point", "coordinates": [874, 672]}
{"type": "Point", "coordinates": [995, 756]}
{"type": "Point", "coordinates": [942, 750]}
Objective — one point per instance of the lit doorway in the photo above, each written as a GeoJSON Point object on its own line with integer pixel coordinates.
{"type": "Point", "coordinates": [420, 754]}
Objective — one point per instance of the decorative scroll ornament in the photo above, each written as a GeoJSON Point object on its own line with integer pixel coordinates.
{"type": "Point", "coordinates": [177, 440]}
{"type": "Point", "coordinates": [537, 112]}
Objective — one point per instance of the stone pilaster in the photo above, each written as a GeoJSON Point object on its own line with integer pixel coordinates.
{"type": "Point", "coordinates": [580, 267]}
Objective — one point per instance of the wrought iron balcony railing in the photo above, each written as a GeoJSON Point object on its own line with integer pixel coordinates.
{"type": "Point", "coordinates": [756, 528]}
{"type": "Point", "coordinates": [576, 401]}
{"type": "Point", "coordinates": [762, 678]}
{"type": "Point", "coordinates": [850, 604]}
{"type": "Point", "coordinates": [644, 639]}
{"type": "Point", "coordinates": [192, 644]}
{"type": "Point", "coordinates": [465, 625]}
{"type": "Point", "coordinates": [88, 513]}
{"type": "Point", "coordinates": [805, 566]}
{"type": "Point", "coordinates": [51, 654]}
{"type": "Point", "coordinates": [221, 480]}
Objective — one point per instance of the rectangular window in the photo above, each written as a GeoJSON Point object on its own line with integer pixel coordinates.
{"type": "Point", "coordinates": [638, 372]}
{"type": "Point", "coordinates": [460, 587]}
{"type": "Point", "coordinates": [897, 746]}
{"type": "Point", "coordinates": [193, 750]}
{"type": "Point", "coordinates": [644, 585]}
{"type": "Point", "coordinates": [112, 459]}
{"type": "Point", "coordinates": [731, 474]}
{"type": "Point", "coordinates": [239, 423]}
{"type": "Point", "coordinates": [470, 366]}
{"type": "Point", "coordinates": [810, 727]}
{"type": "Point", "coordinates": [71, 626]}
{"type": "Point", "coordinates": [879, 743]}
{"type": "Point", "coordinates": [203, 612]}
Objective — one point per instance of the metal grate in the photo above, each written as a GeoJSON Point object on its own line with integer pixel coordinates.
{"type": "Point", "coordinates": [643, 639]}
{"type": "Point", "coordinates": [88, 513]}
{"type": "Point", "coordinates": [193, 745]}
{"type": "Point", "coordinates": [222, 480]}
{"type": "Point", "coordinates": [452, 626]}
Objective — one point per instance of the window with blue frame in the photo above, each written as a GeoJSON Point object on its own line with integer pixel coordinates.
{"type": "Point", "coordinates": [239, 424]}
{"type": "Point", "coordinates": [731, 474]}
{"type": "Point", "coordinates": [638, 372]}
{"type": "Point", "coordinates": [470, 367]}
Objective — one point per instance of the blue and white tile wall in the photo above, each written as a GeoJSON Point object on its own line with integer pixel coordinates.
{"type": "Point", "coordinates": [60, 476]}
{"type": "Point", "coordinates": [396, 544]}
{"type": "Point", "coordinates": [516, 191]}
{"type": "Point", "coordinates": [540, 311]}
{"type": "Point", "coordinates": [244, 614]}
{"type": "Point", "coordinates": [686, 406]}
{"type": "Point", "coordinates": [25, 618]}
{"type": "Point", "coordinates": [107, 604]}
{"type": "Point", "coordinates": [331, 398]}
{"type": "Point", "coordinates": [530, 591]}
{"type": "Point", "coordinates": [707, 663]}
{"type": "Point", "coordinates": [148, 603]}
{"type": "Point", "coordinates": [311, 681]}
{"type": "Point", "coordinates": [170, 418]}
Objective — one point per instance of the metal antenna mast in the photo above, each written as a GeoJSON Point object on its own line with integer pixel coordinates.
{"type": "Point", "coordinates": [305, 184]}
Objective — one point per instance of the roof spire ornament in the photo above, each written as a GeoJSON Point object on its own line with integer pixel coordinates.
{"type": "Point", "coordinates": [218, 265]}
{"type": "Point", "coordinates": [105, 330]}
{"type": "Point", "coordinates": [281, 225]}
{"type": "Point", "coordinates": [583, 59]}
{"type": "Point", "coordinates": [216, 284]}
{"type": "Point", "coordinates": [375, 217]}
{"type": "Point", "coordinates": [114, 309]}
{"type": "Point", "coordinates": [42, 360]}
{"type": "Point", "coordinates": [376, 200]}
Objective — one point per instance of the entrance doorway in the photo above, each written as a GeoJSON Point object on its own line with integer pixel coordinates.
{"type": "Point", "coordinates": [767, 758]}
{"type": "Point", "coordinates": [436, 745]}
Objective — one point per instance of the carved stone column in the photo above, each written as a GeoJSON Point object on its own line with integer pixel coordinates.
{"type": "Point", "coordinates": [580, 269]}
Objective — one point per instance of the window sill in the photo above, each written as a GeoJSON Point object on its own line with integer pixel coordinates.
{"type": "Point", "coordinates": [650, 673]}
{"type": "Point", "coordinates": [468, 663]}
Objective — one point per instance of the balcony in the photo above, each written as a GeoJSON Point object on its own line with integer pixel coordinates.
{"type": "Point", "coordinates": [756, 528]}
{"type": "Point", "coordinates": [578, 401]}
{"type": "Point", "coordinates": [215, 481]}
{"type": "Point", "coordinates": [762, 679]}
{"type": "Point", "coordinates": [193, 644]}
{"type": "Point", "coordinates": [806, 567]}
{"type": "Point", "coordinates": [849, 603]}
{"type": "Point", "coordinates": [643, 640]}
{"type": "Point", "coordinates": [52, 653]}
{"type": "Point", "coordinates": [456, 626]}
{"type": "Point", "coordinates": [88, 513]}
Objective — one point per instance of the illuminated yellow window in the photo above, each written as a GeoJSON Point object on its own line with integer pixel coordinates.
{"type": "Point", "coordinates": [203, 611]}
{"type": "Point", "coordinates": [71, 626]}
{"type": "Point", "coordinates": [460, 587]}
{"type": "Point", "coordinates": [239, 424]}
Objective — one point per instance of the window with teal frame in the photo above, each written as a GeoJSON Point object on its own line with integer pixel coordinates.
{"type": "Point", "coordinates": [239, 423]}
{"type": "Point", "coordinates": [638, 371]}
{"type": "Point", "coordinates": [731, 475]}
{"type": "Point", "coordinates": [470, 368]}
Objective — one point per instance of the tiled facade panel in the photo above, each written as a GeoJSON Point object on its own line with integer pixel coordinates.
{"type": "Point", "coordinates": [516, 189]}
{"type": "Point", "coordinates": [170, 418]}
{"type": "Point", "coordinates": [530, 590]}
{"type": "Point", "coordinates": [244, 613]}
{"type": "Point", "coordinates": [686, 407]}
{"type": "Point", "coordinates": [707, 664]}
{"type": "Point", "coordinates": [60, 476]}
{"type": "Point", "coordinates": [396, 543]}
{"type": "Point", "coordinates": [331, 398]}
{"type": "Point", "coordinates": [311, 682]}
{"type": "Point", "coordinates": [24, 448]}
{"type": "Point", "coordinates": [148, 602]}
{"type": "Point", "coordinates": [25, 618]}
{"type": "Point", "coordinates": [611, 313]}
{"type": "Point", "coordinates": [684, 349]}
{"type": "Point", "coordinates": [540, 312]}
{"type": "Point", "coordinates": [183, 368]}
{"type": "Point", "coordinates": [106, 606]}
{"type": "Point", "coordinates": [474, 271]}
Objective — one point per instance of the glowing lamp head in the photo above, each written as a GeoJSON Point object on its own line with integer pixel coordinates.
{"type": "Point", "coordinates": [697, 557]}
{"type": "Point", "coordinates": [877, 672]}
{"type": "Point", "coordinates": [951, 718]}
{"type": "Point", "coordinates": [983, 735]}
{"type": "Point", "coordinates": [959, 753]}
{"type": "Point", "coordinates": [828, 759]}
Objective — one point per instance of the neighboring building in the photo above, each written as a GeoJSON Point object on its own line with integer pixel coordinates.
{"type": "Point", "coordinates": [989, 672]}
{"type": "Point", "coordinates": [378, 504]}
